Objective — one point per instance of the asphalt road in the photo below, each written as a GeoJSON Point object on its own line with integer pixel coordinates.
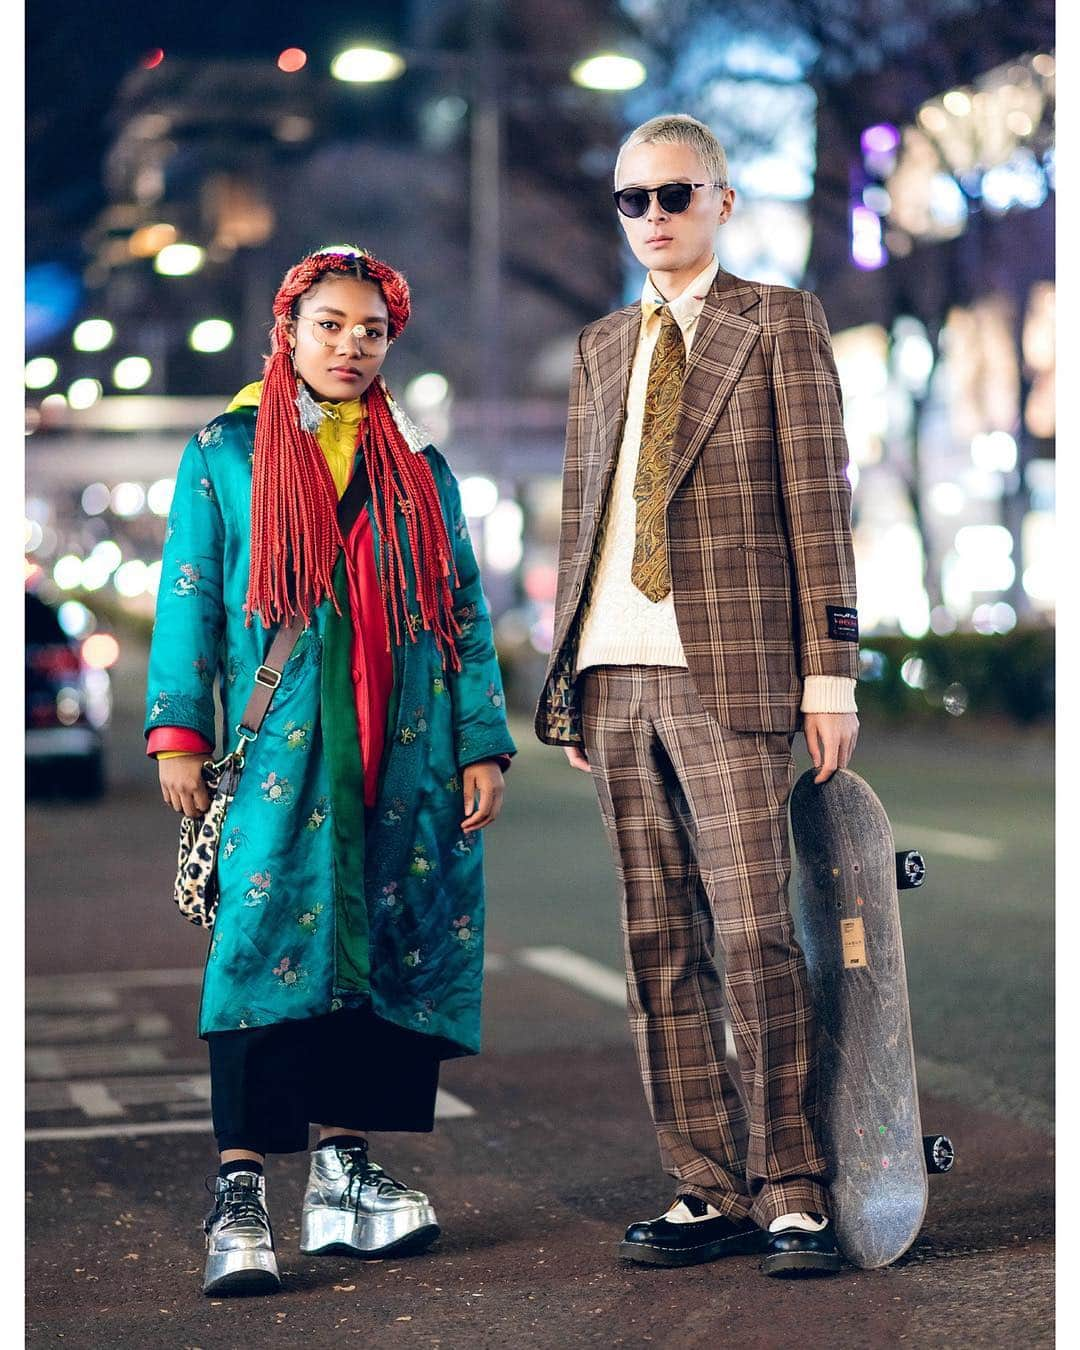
{"type": "Point", "coordinates": [543, 1151]}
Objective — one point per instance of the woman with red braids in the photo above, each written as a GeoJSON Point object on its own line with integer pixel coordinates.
{"type": "Point", "coordinates": [347, 953]}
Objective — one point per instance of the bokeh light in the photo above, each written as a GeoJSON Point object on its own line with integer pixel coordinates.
{"type": "Point", "coordinates": [366, 65]}
{"type": "Point", "coordinates": [92, 335]}
{"type": "Point", "coordinates": [128, 499]}
{"type": "Point", "coordinates": [479, 496]}
{"type": "Point", "coordinates": [40, 372]}
{"type": "Point", "coordinates": [95, 499]}
{"type": "Point", "coordinates": [609, 71]}
{"type": "Point", "coordinates": [179, 260]}
{"type": "Point", "coordinates": [84, 393]}
{"type": "Point", "coordinates": [159, 496]}
{"type": "Point", "coordinates": [292, 59]}
{"type": "Point", "coordinates": [211, 335]}
{"type": "Point", "coordinates": [100, 651]}
{"type": "Point", "coordinates": [132, 372]}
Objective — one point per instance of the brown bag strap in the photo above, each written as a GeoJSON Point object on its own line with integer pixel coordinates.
{"type": "Point", "coordinates": [268, 675]}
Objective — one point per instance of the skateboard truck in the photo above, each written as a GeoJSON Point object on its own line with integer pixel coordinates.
{"type": "Point", "coordinates": [939, 1152]}
{"type": "Point", "coordinates": [910, 869]}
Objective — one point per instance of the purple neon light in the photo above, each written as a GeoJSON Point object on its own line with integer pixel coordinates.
{"type": "Point", "coordinates": [880, 139]}
{"type": "Point", "coordinates": [867, 250]}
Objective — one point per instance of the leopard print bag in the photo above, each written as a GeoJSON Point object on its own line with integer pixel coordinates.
{"type": "Point", "coordinates": [196, 888]}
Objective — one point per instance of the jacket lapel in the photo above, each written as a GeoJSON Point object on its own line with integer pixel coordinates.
{"type": "Point", "coordinates": [608, 361]}
{"type": "Point", "coordinates": [723, 341]}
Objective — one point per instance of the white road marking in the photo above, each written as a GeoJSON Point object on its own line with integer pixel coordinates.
{"type": "Point", "coordinates": [580, 971]}
{"type": "Point", "coordinates": [94, 1099]}
{"type": "Point", "coordinates": [92, 1061]}
{"type": "Point", "coordinates": [91, 983]}
{"type": "Point", "coordinates": [447, 1107]}
{"type": "Point", "coordinates": [588, 975]}
{"type": "Point", "coordinates": [67, 1028]}
{"type": "Point", "coordinates": [970, 847]}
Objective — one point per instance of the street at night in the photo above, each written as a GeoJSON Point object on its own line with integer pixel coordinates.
{"type": "Point", "coordinates": [543, 1149]}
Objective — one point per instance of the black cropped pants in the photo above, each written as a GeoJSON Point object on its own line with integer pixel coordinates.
{"type": "Point", "coordinates": [351, 1069]}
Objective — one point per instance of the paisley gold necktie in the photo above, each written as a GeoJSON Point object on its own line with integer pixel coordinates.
{"type": "Point", "coordinates": [650, 572]}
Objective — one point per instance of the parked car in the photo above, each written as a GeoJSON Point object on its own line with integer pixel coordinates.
{"type": "Point", "coordinates": [67, 707]}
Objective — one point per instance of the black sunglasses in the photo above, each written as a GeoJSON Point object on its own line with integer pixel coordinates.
{"type": "Point", "coordinates": [674, 198]}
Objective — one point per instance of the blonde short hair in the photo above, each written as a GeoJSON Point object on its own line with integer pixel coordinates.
{"type": "Point", "coordinates": [681, 129]}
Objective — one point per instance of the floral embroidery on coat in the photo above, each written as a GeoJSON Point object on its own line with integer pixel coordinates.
{"type": "Point", "coordinates": [259, 890]}
{"type": "Point", "coordinates": [204, 670]}
{"type": "Point", "coordinates": [288, 974]}
{"type": "Point", "coordinates": [465, 933]}
{"type": "Point", "coordinates": [395, 812]}
{"type": "Point", "coordinates": [390, 902]}
{"type": "Point", "coordinates": [276, 790]}
{"type": "Point", "coordinates": [494, 696]}
{"type": "Point", "coordinates": [187, 583]}
{"type": "Point", "coordinates": [296, 737]}
{"type": "Point", "coordinates": [412, 959]}
{"type": "Point", "coordinates": [318, 814]}
{"type": "Point", "coordinates": [209, 437]}
{"type": "Point", "coordinates": [308, 919]}
{"type": "Point", "coordinates": [421, 864]}
{"type": "Point", "coordinates": [235, 838]}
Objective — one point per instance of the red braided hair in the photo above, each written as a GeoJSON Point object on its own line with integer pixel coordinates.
{"type": "Point", "coordinates": [294, 530]}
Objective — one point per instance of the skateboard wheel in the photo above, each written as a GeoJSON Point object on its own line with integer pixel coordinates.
{"type": "Point", "coordinates": [910, 869]}
{"type": "Point", "coordinates": [939, 1152]}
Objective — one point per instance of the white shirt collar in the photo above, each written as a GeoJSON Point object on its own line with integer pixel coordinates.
{"type": "Point", "coordinates": [687, 305]}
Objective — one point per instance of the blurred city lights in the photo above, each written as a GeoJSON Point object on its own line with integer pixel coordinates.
{"type": "Point", "coordinates": [948, 205]}
{"type": "Point", "coordinates": [942, 621]}
{"type": "Point", "coordinates": [867, 251]}
{"type": "Point", "coordinates": [994, 451]}
{"type": "Point", "coordinates": [149, 240]}
{"type": "Point", "coordinates": [881, 139]}
{"type": "Point", "coordinates": [40, 372]}
{"type": "Point", "coordinates": [95, 499]}
{"type": "Point", "coordinates": [425, 392]}
{"type": "Point", "coordinates": [179, 260]}
{"type": "Point", "coordinates": [366, 65]}
{"type": "Point", "coordinates": [932, 118]}
{"type": "Point", "coordinates": [1018, 182]}
{"type": "Point", "coordinates": [955, 700]}
{"type": "Point", "coordinates": [957, 102]}
{"type": "Point", "coordinates": [100, 651]}
{"type": "Point", "coordinates": [132, 372]}
{"type": "Point", "coordinates": [609, 71]}
{"type": "Point", "coordinates": [983, 541]}
{"type": "Point", "coordinates": [947, 499]}
{"type": "Point", "coordinates": [127, 499]}
{"type": "Point", "coordinates": [107, 554]}
{"type": "Point", "coordinates": [292, 59]}
{"type": "Point", "coordinates": [74, 619]}
{"type": "Point", "coordinates": [68, 706]}
{"type": "Point", "coordinates": [92, 335]}
{"type": "Point", "coordinates": [877, 199]}
{"type": "Point", "coordinates": [153, 577]}
{"type": "Point", "coordinates": [914, 353]}
{"type": "Point", "coordinates": [292, 129]}
{"type": "Point", "coordinates": [130, 579]}
{"type": "Point", "coordinates": [159, 496]}
{"type": "Point", "coordinates": [152, 59]}
{"type": "Point", "coordinates": [67, 571]}
{"type": "Point", "coordinates": [1044, 65]}
{"type": "Point", "coordinates": [479, 496]}
{"type": "Point", "coordinates": [502, 536]}
{"type": "Point", "coordinates": [53, 401]}
{"type": "Point", "coordinates": [914, 672]}
{"type": "Point", "coordinates": [211, 335]}
{"type": "Point", "coordinates": [84, 393]}
{"type": "Point", "coordinates": [33, 535]}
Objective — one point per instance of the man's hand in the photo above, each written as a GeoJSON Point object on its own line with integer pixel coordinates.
{"type": "Point", "coordinates": [483, 780]}
{"type": "Point", "coordinates": [577, 758]}
{"type": "Point", "coordinates": [830, 738]}
{"type": "Point", "coordinates": [182, 785]}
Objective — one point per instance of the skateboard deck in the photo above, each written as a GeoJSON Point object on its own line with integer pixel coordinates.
{"type": "Point", "coordinates": [849, 928]}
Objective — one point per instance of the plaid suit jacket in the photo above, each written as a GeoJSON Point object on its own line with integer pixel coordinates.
{"type": "Point", "coordinates": [758, 506]}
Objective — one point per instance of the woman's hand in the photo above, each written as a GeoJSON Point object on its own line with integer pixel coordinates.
{"type": "Point", "coordinates": [830, 738]}
{"type": "Point", "coordinates": [182, 785]}
{"type": "Point", "coordinates": [483, 780]}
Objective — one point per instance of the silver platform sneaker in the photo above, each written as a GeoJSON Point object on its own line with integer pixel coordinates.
{"type": "Point", "coordinates": [239, 1241]}
{"type": "Point", "coordinates": [351, 1205]}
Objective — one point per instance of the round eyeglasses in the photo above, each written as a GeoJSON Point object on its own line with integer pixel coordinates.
{"type": "Point", "coordinates": [321, 324]}
{"type": "Point", "coordinates": [674, 198]}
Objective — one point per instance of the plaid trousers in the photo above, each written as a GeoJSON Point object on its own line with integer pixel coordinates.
{"type": "Point", "coordinates": [696, 816]}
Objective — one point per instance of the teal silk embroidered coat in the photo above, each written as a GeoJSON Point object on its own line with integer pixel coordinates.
{"type": "Point", "coordinates": [324, 905]}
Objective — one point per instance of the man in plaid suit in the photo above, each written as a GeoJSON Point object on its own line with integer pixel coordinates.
{"type": "Point", "coordinates": [705, 612]}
